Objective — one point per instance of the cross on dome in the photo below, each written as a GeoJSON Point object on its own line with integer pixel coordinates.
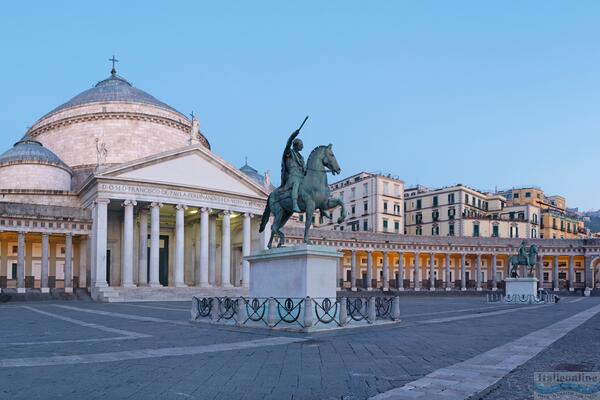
{"type": "Point", "coordinates": [113, 71]}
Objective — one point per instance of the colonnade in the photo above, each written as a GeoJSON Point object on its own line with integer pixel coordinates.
{"type": "Point", "coordinates": [456, 270]}
{"type": "Point", "coordinates": [47, 258]}
{"type": "Point", "coordinates": [205, 245]}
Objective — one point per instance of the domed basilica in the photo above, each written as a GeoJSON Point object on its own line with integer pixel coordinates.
{"type": "Point", "coordinates": [117, 192]}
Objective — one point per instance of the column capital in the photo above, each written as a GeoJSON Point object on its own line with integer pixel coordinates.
{"type": "Point", "coordinates": [181, 207]}
{"type": "Point", "coordinates": [129, 203]}
{"type": "Point", "coordinates": [205, 209]}
{"type": "Point", "coordinates": [69, 234]}
{"type": "Point", "coordinates": [156, 204]}
{"type": "Point", "coordinates": [45, 234]}
{"type": "Point", "coordinates": [101, 201]}
{"type": "Point", "coordinates": [248, 215]}
{"type": "Point", "coordinates": [226, 212]}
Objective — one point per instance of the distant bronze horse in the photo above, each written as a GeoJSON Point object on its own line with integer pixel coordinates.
{"type": "Point", "coordinates": [313, 194]}
{"type": "Point", "coordinates": [525, 260]}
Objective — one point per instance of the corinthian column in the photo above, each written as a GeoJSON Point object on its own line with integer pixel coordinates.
{"type": "Point", "coordinates": [21, 262]}
{"type": "Point", "coordinates": [204, 223]}
{"type": "Point", "coordinates": [143, 258]}
{"type": "Point", "coordinates": [179, 244]}
{"type": "Point", "coordinates": [386, 272]}
{"type": "Point", "coordinates": [154, 243]}
{"type": "Point", "coordinates": [226, 250]}
{"type": "Point", "coordinates": [246, 242]}
{"type": "Point", "coordinates": [68, 263]}
{"type": "Point", "coordinates": [45, 253]}
{"type": "Point", "coordinates": [127, 279]}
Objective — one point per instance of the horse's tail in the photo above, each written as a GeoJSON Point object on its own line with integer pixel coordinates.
{"type": "Point", "coordinates": [266, 215]}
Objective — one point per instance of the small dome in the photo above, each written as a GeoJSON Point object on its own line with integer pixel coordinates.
{"type": "Point", "coordinates": [28, 150]}
{"type": "Point", "coordinates": [113, 88]}
{"type": "Point", "coordinates": [255, 176]}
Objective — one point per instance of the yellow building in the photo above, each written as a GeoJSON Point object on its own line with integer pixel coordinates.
{"type": "Point", "coordinates": [555, 222]}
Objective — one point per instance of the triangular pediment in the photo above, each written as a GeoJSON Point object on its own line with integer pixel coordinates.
{"type": "Point", "coordinates": [191, 166]}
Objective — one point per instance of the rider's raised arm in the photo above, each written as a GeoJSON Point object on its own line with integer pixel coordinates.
{"type": "Point", "coordinates": [288, 145]}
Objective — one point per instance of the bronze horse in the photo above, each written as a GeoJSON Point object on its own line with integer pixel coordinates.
{"type": "Point", "coordinates": [313, 194]}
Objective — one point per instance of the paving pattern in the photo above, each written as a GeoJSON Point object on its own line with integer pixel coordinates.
{"type": "Point", "coordinates": [153, 351]}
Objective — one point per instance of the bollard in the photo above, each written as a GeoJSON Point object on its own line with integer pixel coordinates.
{"type": "Point", "coordinates": [343, 311]}
{"type": "Point", "coordinates": [396, 309]}
{"type": "Point", "coordinates": [240, 311]}
{"type": "Point", "coordinates": [214, 309]}
{"type": "Point", "coordinates": [272, 313]}
{"type": "Point", "coordinates": [308, 317]}
{"type": "Point", "coordinates": [194, 311]}
{"type": "Point", "coordinates": [371, 310]}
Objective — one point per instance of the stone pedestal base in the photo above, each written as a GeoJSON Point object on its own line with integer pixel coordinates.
{"type": "Point", "coordinates": [294, 272]}
{"type": "Point", "coordinates": [21, 290]}
{"type": "Point", "coordinates": [45, 290]}
{"type": "Point", "coordinates": [68, 290]}
{"type": "Point", "coordinates": [521, 290]}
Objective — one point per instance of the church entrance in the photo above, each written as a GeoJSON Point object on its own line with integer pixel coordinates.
{"type": "Point", "coordinates": [163, 259]}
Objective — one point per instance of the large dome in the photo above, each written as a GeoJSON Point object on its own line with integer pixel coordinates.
{"type": "Point", "coordinates": [114, 88]}
{"type": "Point", "coordinates": [113, 123]}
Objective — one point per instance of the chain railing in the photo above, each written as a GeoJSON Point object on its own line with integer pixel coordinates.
{"type": "Point", "coordinates": [296, 313]}
{"type": "Point", "coordinates": [542, 298]}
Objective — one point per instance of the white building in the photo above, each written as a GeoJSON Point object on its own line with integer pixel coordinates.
{"type": "Point", "coordinates": [120, 193]}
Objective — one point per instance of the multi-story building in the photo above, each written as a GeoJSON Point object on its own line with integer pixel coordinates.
{"type": "Point", "coordinates": [374, 203]}
{"type": "Point", "coordinates": [462, 211]}
{"type": "Point", "coordinates": [556, 222]}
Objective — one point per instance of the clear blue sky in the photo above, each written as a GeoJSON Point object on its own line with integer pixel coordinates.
{"type": "Point", "coordinates": [485, 93]}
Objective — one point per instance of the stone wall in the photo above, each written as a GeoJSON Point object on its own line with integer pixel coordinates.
{"type": "Point", "coordinates": [34, 176]}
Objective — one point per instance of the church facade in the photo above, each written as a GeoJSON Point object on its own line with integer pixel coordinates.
{"type": "Point", "coordinates": [119, 193]}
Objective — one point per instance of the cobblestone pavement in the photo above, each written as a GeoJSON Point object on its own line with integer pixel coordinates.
{"type": "Point", "coordinates": [577, 351]}
{"type": "Point", "coordinates": [153, 351]}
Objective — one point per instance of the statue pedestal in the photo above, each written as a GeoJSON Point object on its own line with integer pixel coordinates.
{"type": "Point", "coordinates": [294, 272]}
{"type": "Point", "coordinates": [521, 290]}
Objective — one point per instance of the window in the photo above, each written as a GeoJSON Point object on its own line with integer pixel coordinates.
{"type": "Point", "coordinates": [553, 223]}
{"type": "Point", "coordinates": [562, 275]}
{"type": "Point", "coordinates": [514, 231]}
{"type": "Point", "coordinates": [451, 213]}
{"type": "Point", "coordinates": [435, 230]}
{"type": "Point", "coordinates": [478, 203]}
{"type": "Point", "coordinates": [366, 189]}
{"type": "Point", "coordinates": [527, 194]}
{"type": "Point", "coordinates": [397, 190]}
{"type": "Point", "coordinates": [352, 193]}
{"type": "Point", "coordinates": [353, 209]}
{"type": "Point", "coordinates": [435, 201]}
{"type": "Point", "coordinates": [396, 226]}
{"type": "Point", "coordinates": [418, 204]}
{"type": "Point", "coordinates": [475, 230]}
{"type": "Point", "coordinates": [385, 206]}
{"type": "Point", "coordinates": [534, 218]}
{"type": "Point", "coordinates": [385, 225]}
{"type": "Point", "coordinates": [419, 218]}
{"type": "Point", "coordinates": [366, 207]}
{"type": "Point", "coordinates": [435, 215]}
{"type": "Point", "coordinates": [578, 277]}
{"type": "Point", "coordinates": [521, 216]}
{"type": "Point", "coordinates": [511, 216]}
{"type": "Point", "coordinates": [386, 188]}
{"type": "Point", "coordinates": [365, 225]}
{"type": "Point", "coordinates": [451, 198]}
{"type": "Point", "coordinates": [516, 195]}
{"type": "Point", "coordinates": [419, 230]}
{"type": "Point", "coordinates": [534, 233]}
{"type": "Point", "coordinates": [495, 231]}
{"type": "Point", "coordinates": [546, 277]}
{"type": "Point", "coordinates": [451, 230]}
{"type": "Point", "coordinates": [466, 198]}
{"type": "Point", "coordinates": [397, 209]}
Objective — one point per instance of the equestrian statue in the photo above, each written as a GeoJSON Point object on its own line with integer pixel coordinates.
{"type": "Point", "coordinates": [524, 258]}
{"type": "Point", "coordinates": [303, 188]}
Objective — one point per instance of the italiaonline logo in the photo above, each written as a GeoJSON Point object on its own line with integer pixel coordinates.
{"type": "Point", "coordinates": [566, 385]}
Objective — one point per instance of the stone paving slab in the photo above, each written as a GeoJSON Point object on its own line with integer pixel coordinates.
{"type": "Point", "coordinates": [353, 364]}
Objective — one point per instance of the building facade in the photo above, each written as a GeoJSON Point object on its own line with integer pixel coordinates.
{"type": "Point", "coordinates": [556, 221]}
{"type": "Point", "coordinates": [374, 203]}
{"type": "Point", "coordinates": [462, 211]}
{"type": "Point", "coordinates": [120, 193]}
